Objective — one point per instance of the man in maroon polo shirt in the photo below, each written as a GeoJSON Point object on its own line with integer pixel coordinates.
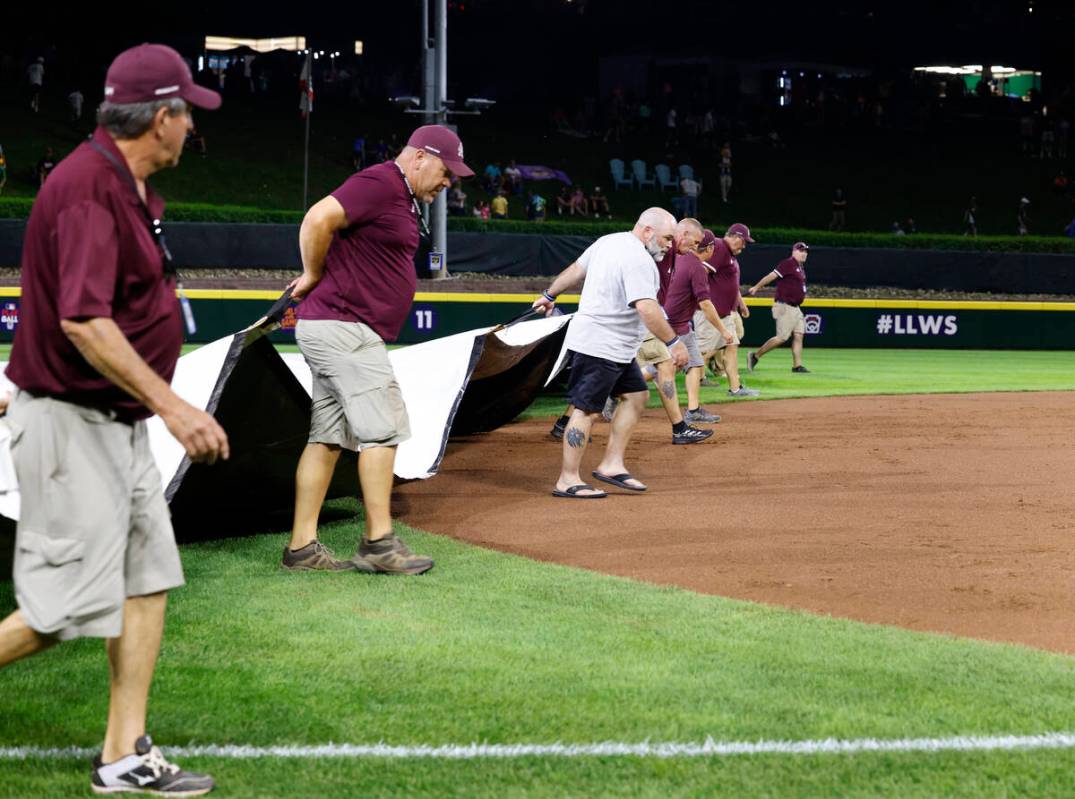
{"type": "Point", "coordinates": [96, 348]}
{"type": "Point", "coordinates": [357, 285]}
{"type": "Point", "coordinates": [790, 280]}
{"type": "Point", "coordinates": [724, 292]}
{"type": "Point", "coordinates": [689, 292]}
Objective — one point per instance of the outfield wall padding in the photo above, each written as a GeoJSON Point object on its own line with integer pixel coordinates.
{"type": "Point", "coordinates": [208, 244]}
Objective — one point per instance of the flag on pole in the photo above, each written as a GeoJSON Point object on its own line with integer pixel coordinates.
{"type": "Point", "coordinates": [306, 87]}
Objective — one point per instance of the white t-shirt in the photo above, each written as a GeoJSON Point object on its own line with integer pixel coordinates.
{"type": "Point", "coordinates": [690, 187]}
{"type": "Point", "coordinates": [35, 73]}
{"type": "Point", "coordinates": [619, 271]}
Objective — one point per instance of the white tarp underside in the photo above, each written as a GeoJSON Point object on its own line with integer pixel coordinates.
{"type": "Point", "coordinates": [431, 376]}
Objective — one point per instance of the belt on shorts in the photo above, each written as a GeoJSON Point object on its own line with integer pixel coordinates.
{"type": "Point", "coordinates": [792, 304]}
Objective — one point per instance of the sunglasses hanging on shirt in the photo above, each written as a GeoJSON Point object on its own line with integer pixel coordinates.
{"type": "Point", "coordinates": [156, 230]}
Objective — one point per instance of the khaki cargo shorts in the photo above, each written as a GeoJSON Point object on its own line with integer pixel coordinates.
{"type": "Point", "coordinates": [94, 526]}
{"type": "Point", "coordinates": [789, 319]}
{"type": "Point", "coordinates": [709, 340]}
{"type": "Point", "coordinates": [652, 352]}
{"type": "Point", "coordinates": [356, 399]}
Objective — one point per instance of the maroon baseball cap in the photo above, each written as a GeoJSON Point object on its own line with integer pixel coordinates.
{"type": "Point", "coordinates": [709, 238]}
{"type": "Point", "coordinates": [154, 72]}
{"type": "Point", "coordinates": [443, 143]}
{"type": "Point", "coordinates": [800, 245]}
{"type": "Point", "coordinates": [739, 229]}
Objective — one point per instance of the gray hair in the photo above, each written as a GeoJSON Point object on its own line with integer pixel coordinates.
{"type": "Point", "coordinates": [131, 120]}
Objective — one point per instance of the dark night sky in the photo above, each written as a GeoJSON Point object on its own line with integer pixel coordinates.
{"type": "Point", "coordinates": [541, 33]}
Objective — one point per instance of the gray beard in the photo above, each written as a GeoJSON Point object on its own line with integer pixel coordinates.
{"type": "Point", "coordinates": [655, 251]}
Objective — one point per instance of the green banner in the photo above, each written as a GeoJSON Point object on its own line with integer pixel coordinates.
{"type": "Point", "coordinates": [891, 324]}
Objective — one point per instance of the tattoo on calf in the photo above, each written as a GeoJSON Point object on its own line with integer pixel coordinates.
{"type": "Point", "coordinates": [668, 388]}
{"type": "Point", "coordinates": [575, 437]}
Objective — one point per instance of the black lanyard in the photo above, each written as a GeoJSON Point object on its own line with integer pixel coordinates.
{"type": "Point", "coordinates": [154, 225]}
{"type": "Point", "coordinates": [157, 232]}
{"type": "Point", "coordinates": [423, 226]}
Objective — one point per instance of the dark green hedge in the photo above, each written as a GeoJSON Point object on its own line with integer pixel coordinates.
{"type": "Point", "coordinates": [19, 208]}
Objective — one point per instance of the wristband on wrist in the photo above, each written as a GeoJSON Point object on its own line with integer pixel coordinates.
{"type": "Point", "coordinates": [673, 342]}
{"type": "Point", "coordinates": [550, 297]}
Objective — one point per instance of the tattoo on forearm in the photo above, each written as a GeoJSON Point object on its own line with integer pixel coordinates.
{"type": "Point", "coordinates": [575, 437]}
{"type": "Point", "coordinates": [668, 388]}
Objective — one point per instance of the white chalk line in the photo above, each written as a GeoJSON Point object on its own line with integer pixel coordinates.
{"type": "Point", "coordinates": [477, 751]}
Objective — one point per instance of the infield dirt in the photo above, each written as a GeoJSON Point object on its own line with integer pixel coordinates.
{"type": "Point", "coordinates": [942, 513]}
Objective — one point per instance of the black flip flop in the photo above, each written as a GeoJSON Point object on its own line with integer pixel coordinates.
{"type": "Point", "coordinates": [619, 480]}
{"type": "Point", "coordinates": [573, 492]}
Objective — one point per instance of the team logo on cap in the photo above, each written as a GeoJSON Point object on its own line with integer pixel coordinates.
{"type": "Point", "coordinates": [433, 150]}
{"type": "Point", "coordinates": [460, 149]}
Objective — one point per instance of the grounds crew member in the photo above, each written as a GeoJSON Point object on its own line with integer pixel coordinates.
{"type": "Point", "coordinates": [97, 345]}
{"type": "Point", "coordinates": [356, 288]}
{"type": "Point", "coordinates": [724, 292]}
{"type": "Point", "coordinates": [690, 292]}
{"type": "Point", "coordinates": [653, 357]}
{"type": "Point", "coordinates": [790, 280]}
{"type": "Point", "coordinates": [618, 303]}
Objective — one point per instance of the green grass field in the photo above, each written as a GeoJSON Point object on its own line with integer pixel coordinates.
{"type": "Point", "coordinates": [492, 648]}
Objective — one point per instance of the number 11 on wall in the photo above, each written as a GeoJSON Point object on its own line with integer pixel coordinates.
{"type": "Point", "coordinates": [423, 318]}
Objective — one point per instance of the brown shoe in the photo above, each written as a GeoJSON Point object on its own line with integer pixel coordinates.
{"type": "Point", "coordinates": [389, 555]}
{"type": "Point", "coordinates": [315, 556]}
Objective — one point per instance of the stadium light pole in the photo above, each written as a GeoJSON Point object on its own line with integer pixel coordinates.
{"type": "Point", "coordinates": [440, 204]}
{"type": "Point", "coordinates": [436, 110]}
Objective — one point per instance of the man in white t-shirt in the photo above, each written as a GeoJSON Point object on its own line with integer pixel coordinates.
{"type": "Point", "coordinates": [618, 304]}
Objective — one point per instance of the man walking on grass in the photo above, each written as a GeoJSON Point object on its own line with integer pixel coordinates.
{"type": "Point", "coordinates": [358, 281]}
{"type": "Point", "coordinates": [790, 280]}
{"type": "Point", "coordinates": [96, 348]}
{"type": "Point", "coordinates": [618, 304]}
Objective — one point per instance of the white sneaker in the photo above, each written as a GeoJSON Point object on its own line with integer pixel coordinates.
{"type": "Point", "coordinates": [146, 771]}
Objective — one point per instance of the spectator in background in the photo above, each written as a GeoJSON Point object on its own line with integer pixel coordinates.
{"type": "Point", "coordinates": [74, 104]}
{"type": "Point", "coordinates": [909, 226]}
{"type": "Point", "coordinates": [358, 153]}
{"type": "Point", "coordinates": [1048, 140]}
{"type": "Point", "coordinates": [535, 207]}
{"type": "Point", "coordinates": [513, 178]}
{"type": "Point", "coordinates": [599, 203]}
{"type": "Point", "coordinates": [896, 229]}
{"type": "Point", "coordinates": [563, 201]}
{"type": "Point", "coordinates": [1063, 131]}
{"type": "Point", "coordinates": [970, 217]}
{"type": "Point", "coordinates": [491, 178]}
{"type": "Point", "coordinates": [499, 206]}
{"type": "Point", "coordinates": [382, 151]}
{"type": "Point", "coordinates": [1069, 231]}
{"type": "Point", "coordinates": [45, 166]}
{"type": "Point", "coordinates": [672, 138]}
{"type": "Point", "coordinates": [839, 211]}
{"type": "Point", "coordinates": [3, 170]}
{"type": "Point", "coordinates": [457, 200]}
{"type": "Point", "coordinates": [689, 198]}
{"type": "Point", "coordinates": [1026, 134]}
{"type": "Point", "coordinates": [1022, 217]}
{"type": "Point", "coordinates": [35, 77]}
{"type": "Point", "coordinates": [481, 210]}
{"type": "Point", "coordinates": [578, 202]}
{"type": "Point", "coordinates": [725, 169]}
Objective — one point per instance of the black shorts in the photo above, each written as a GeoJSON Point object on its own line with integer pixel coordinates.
{"type": "Point", "coordinates": [594, 380]}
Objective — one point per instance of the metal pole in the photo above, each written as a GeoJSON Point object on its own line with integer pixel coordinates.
{"type": "Point", "coordinates": [440, 204]}
{"type": "Point", "coordinates": [428, 86]}
{"type": "Point", "coordinates": [306, 147]}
